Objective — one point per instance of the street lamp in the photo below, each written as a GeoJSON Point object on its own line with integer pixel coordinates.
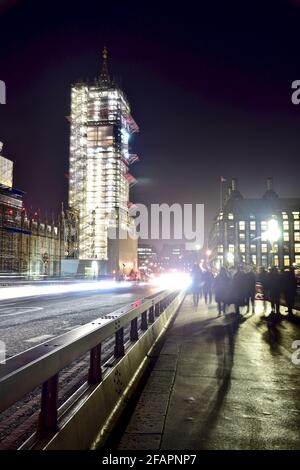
{"type": "Point", "coordinates": [272, 234]}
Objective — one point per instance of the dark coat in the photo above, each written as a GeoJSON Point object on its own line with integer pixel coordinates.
{"type": "Point", "coordinates": [274, 285]}
{"type": "Point", "coordinates": [208, 279]}
{"type": "Point", "coordinates": [238, 292]}
{"type": "Point", "coordinates": [289, 285]}
{"type": "Point", "coordinates": [196, 275]}
{"type": "Point", "coordinates": [250, 284]}
{"type": "Point", "coordinates": [222, 287]}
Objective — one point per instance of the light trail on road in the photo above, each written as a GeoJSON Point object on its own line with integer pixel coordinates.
{"type": "Point", "coordinates": [8, 293]}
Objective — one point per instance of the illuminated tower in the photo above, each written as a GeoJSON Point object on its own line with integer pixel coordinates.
{"type": "Point", "coordinates": [99, 181]}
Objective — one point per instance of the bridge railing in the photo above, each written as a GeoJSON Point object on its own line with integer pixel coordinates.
{"type": "Point", "coordinates": [41, 365]}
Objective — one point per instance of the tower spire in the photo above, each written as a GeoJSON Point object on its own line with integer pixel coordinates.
{"type": "Point", "coordinates": [105, 81]}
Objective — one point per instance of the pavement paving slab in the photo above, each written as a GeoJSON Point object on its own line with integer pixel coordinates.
{"type": "Point", "coordinates": [220, 383]}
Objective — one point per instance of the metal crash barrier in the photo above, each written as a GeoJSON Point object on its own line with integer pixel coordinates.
{"type": "Point", "coordinates": [89, 415]}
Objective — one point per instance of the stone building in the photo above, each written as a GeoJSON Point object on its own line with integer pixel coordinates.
{"type": "Point", "coordinates": [260, 232]}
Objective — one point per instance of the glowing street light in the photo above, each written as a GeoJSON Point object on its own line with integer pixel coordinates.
{"type": "Point", "coordinates": [208, 253]}
{"type": "Point", "coordinates": [273, 232]}
{"type": "Point", "coordinates": [272, 235]}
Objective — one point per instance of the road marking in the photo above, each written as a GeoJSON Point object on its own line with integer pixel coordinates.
{"type": "Point", "coordinates": [38, 339]}
{"type": "Point", "coordinates": [20, 311]}
{"type": "Point", "coordinates": [14, 303]}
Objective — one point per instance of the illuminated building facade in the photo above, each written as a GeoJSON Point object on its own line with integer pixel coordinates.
{"type": "Point", "coordinates": [242, 232]}
{"type": "Point", "coordinates": [147, 257]}
{"type": "Point", "coordinates": [28, 246]}
{"type": "Point", "coordinates": [99, 181]}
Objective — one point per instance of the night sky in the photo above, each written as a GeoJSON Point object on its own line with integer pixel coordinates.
{"type": "Point", "coordinates": [209, 86]}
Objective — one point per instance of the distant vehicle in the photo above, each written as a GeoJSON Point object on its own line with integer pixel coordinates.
{"type": "Point", "coordinates": [132, 276]}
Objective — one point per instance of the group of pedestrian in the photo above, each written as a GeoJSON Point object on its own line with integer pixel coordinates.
{"type": "Point", "coordinates": [276, 285]}
{"type": "Point", "coordinates": [239, 288]}
{"type": "Point", "coordinates": [202, 284]}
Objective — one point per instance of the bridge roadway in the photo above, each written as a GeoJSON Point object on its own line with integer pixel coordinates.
{"type": "Point", "coordinates": [26, 322]}
{"type": "Point", "coordinates": [220, 383]}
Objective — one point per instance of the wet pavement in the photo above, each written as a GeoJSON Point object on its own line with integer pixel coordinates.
{"type": "Point", "coordinates": [220, 383]}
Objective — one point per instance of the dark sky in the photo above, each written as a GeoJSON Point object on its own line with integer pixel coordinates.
{"type": "Point", "coordinates": [210, 87]}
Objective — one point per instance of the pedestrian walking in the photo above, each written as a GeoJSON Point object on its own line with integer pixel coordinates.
{"type": "Point", "coordinates": [264, 281]}
{"type": "Point", "coordinates": [222, 284]}
{"type": "Point", "coordinates": [274, 290]}
{"type": "Point", "coordinates": [239, 289]}
{"type": "Point", "coordinates": [208, 280]}
{"type": "Point", "coordinates": [290, 289]}
{"type": "Point", "coordinates": [250, 287]}
{"type": "Point", "coordinates": [196, 283]}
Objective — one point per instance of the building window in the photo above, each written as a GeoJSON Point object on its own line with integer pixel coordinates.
{"type": "Point", "coordinates": [297, 236]}
{"type": "Point", "coordinates": [253, 259]}
{"type": "Point", "coordinates": [286, 236]}
{"type": "Point", "coordinates": [275, 247]}
{"type": "Point", "coordinates": [297, 247]}
{"type": "Point", "coordinates": [243, 259]}
{"type": "Point", "coordinates": [242, 225]}
{"type": "Point", "coordinates": [264, 260]}
{"type": "Point", "coordinates": [220, 248]}
{"type": "Point", "coordinates": [220, 217]}
{"type": "Point", "coordinates": [230, 216]}
{"type": "Point", "coordinates": [264, 248]}
{"type": "Point", "coordinates": [242, 236]}
{"type": "Point", "coordinates": [252, 225]}
{"type": "Point", "coordinates": [284, 215]}
{"type": "Point", "coordinates": [253, 248]}
{"type": "Point", "coordinates": [276, 261]}
{"type": "Point", "coordinates": [286, 225]}
{"type": "Point", "coordinates": [297, 259]}
{"type": "Point", "coordinates": [220, 259]}
{"type": "Point", "coordinates": [296, 224]}
{"type": "Point", "coordinates": [296, 215]}
{"type": "Point", "coordinates": [231, 248]}
{"type": "Point", "coordinates": [286, 260]}
{"type": "Point", "coordinates": [242, 248]}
